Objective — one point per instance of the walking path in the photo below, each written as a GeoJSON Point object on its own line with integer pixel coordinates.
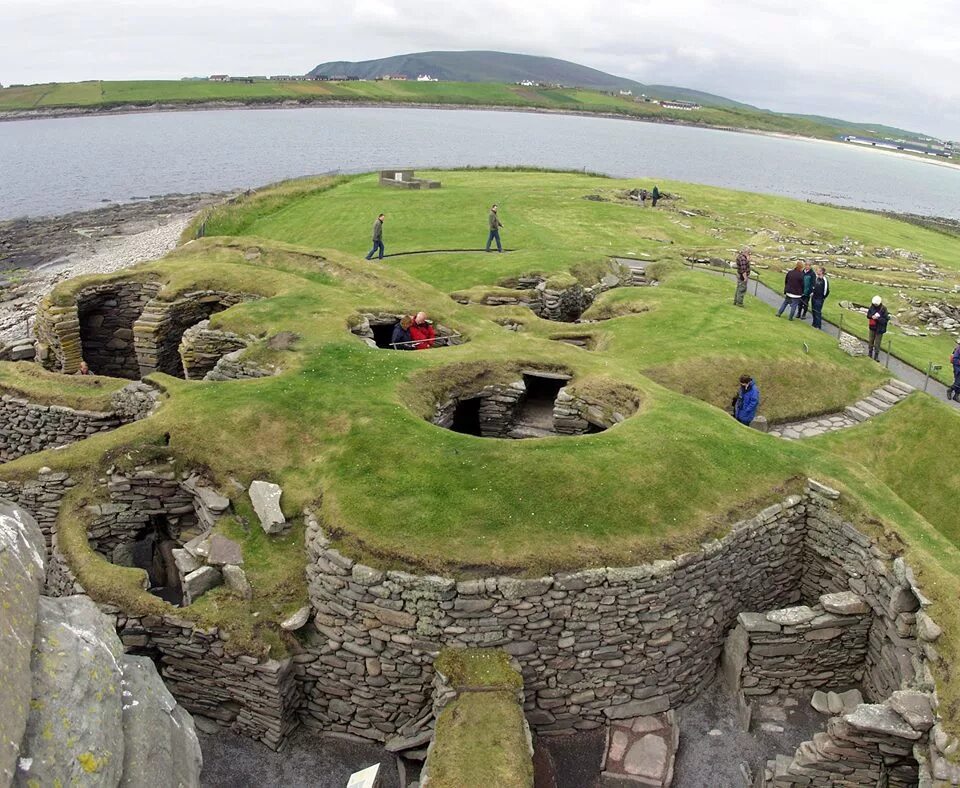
{"type": "Point", "coordinates": [899, 369]}
{"type": "Point", "coordinates": [880, 401]}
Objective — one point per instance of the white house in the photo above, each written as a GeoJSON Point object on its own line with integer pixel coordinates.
{"type": "Point", "coordinates": [426, 78]}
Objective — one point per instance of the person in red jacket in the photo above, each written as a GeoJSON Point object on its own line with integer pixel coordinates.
{"type": "Point", "coordinates": [422, 332]}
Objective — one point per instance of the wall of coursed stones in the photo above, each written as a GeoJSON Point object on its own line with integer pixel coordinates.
{"type": "Point", "coordinates": [592, 645]}
{"type": "Point", "coordinates": [201, 347]}
{"type": "Point", "coordinates": [26, 427]}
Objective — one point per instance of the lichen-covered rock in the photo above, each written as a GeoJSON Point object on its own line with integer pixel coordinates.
{"type": "Point", "coordinates": [74, 732]}
{"type": "Point", "coordinates": [22, 554]}
{"type": "Point", "coordinates": [265, 497]}
{"type": "Point", "coordinates": [161, 749]}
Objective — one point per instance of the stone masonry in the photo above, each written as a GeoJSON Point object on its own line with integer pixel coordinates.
{"type": "Point", "coordinates": [201, 347]}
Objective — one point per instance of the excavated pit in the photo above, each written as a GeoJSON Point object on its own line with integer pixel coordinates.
{"type": "Point", "coordinates": [536, 404]}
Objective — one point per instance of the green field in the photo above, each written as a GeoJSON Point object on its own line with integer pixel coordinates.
{"type": "Point", "coordinates": [344, 428]}
{"type": "Point", "coordinates": [112, 94]}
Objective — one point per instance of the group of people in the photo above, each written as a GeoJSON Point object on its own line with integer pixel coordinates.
{"type": "Point", "coordinates": [413, 333]}
{"type": "Point", "coordinates": [654, 196]}
{"type": "Point", "coordinates": [493, 223]}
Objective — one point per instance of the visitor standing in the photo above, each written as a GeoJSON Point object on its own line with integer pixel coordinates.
{"type": "Point", "coordinates": [821, 289]}
{"type": "Point", "coordinates": [747, 400]}
{"type": "Point", "coordinates": [877, 318]}
{"type": "Point", "coordinates": [808, 278]}
{"type": "Point", "coordinates": [377, 237]}
{"type": "Point", "coordinates": [792, 290]}
{"type": "Point", "coordinates": [422, 333]}
{"type": "Point", "coordinates": [743, 275]}
{"type": "Point", "coordinates": [654, 196]}
{"type": "Point", "coordinates": [494, 222]}
{"type": "Point", "coordinates": [643, 198]}
{"type": "Point", "coordinates": [401, 339]}
{"type": "Point", "coordinates": [954, 391]}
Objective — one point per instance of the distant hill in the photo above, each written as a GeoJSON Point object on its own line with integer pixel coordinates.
{"type": "Point", "coordinates": [481, 66]}
{"type": "Point", "coordinates": [869, 129]}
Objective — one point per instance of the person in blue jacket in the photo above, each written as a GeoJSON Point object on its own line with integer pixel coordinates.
{"type": "Point", "coordinates": [954, 391]}
{"type": "Point", "coordinates": [746, 402]}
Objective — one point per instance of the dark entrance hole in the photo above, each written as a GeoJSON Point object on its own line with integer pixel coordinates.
{"type": "Point", "coordinates": [152, 551]}
{"type": "Point", "coordinates": [106, 318]}
{"type": "Point", "coordinates": [382, 334]}
{"type": "Point", "coordinates": [544, 387]}
{"type": "Point", "coordinates": [535, 416]}
{"type": "Point", "coordinates": [466, 416]}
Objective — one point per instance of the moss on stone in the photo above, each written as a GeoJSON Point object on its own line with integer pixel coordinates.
{"type": "Point", "coordinates": [475, 668]}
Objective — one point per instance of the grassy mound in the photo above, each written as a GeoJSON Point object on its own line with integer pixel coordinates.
{"type": "Point", "coordinates": [343, 427]}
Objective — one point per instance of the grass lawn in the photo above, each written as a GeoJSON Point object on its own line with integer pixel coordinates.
{"type": "Point", "coordinates": [343, 429]}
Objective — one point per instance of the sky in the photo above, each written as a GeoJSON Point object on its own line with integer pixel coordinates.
{"type": "Point", "coordinates": [862, 60]}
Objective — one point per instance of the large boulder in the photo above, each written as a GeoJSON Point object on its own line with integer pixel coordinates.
{"type": "Point", "coordinates": [22, 564]}
{"type": "Point", "coordinates": [161, 749]}
{"type": "Point", "coordinates": [74, 732]}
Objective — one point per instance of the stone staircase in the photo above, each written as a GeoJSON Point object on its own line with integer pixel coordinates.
{"type": "Point", "coordinates": [638, 271]}
{"type": "Point", "coordinates": [879, 401]}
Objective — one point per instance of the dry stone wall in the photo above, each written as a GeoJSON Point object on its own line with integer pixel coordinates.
{"type": "Point", "coordinates": [593, 645]}
{"type": "Point", "coordinates": [202, 347]}
{"type": "Point", "coordinates": [160, 327]}
{"type": "Point", "coordinates": [27, 427]}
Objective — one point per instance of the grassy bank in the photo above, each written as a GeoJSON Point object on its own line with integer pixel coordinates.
{"type": "Point", "coordinates": [344, 427]}
{"type": "Point", "coordinates": [107, 95]}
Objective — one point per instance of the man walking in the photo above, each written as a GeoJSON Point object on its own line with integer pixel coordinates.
{"type": "Point", "coordinates": [792, 290]}
{"type": "Point", "coordinates": [877, 318]}
{"type": "Point", "coordinates": [808, 278]}
{"type": "Point", "coordinates": [494, 222]}
{"type": "Point", "coordinates": [743, 275]}
{"type": "Point", "coordinates": [819, 293]}
{"type": "Point", "coordinates": [377, 237]}
{"type": "Point", "coordinates": [954, 391]}
{"type": "Point", "coordinates": [747, 400]}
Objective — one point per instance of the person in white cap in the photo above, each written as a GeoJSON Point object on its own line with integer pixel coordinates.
{"type": "Point", "coordinates": [877, 317]}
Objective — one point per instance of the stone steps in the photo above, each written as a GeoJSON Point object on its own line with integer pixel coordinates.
{"type": "Point", "coordinates": [879, 401]}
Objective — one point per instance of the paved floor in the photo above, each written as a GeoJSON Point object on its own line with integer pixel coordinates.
{"type": "Point", "coordinates": [712, 746]}
{"type": "Point", "coordinates": [308, 759]}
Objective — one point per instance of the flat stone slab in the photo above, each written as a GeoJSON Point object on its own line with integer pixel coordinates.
{"type": "Point", "coordinates": [224, 551]}
{"type": "Point", "coordinates": [199, 582]}
{"type": "Point", "coordinates": [265, 497]}
{"type": "Point", "coordinates": [845, 603]}
{"type": "Point", "coordinates": [875, 718]}
{"type": "Point", "coordinates": [791, 616]}
{"type": "Point", "coordinates": [297, 620]}
{"type": "Point", "coordinates": [640, 751]}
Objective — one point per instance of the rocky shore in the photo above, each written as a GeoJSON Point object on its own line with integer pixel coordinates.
{"type": "Point", "coordinates": [37, 253]}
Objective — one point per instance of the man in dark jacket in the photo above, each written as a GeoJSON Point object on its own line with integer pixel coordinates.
{"type": "Point", "coordinates": [792, 290]}
{"type": "Point", "coordinates": [377, 237]}
{"type": "Point", "coordinates": [494, 223]}
{"type": "Point", "coordinates": [954, 391]}
{"type": "Point", "coordinates": [821, 289]}
{"type": "Point", "coordinates": [808, 277]}
{"type": "Point", "coordinates": [743, 275]}
{"type": "Point", "coordinates": [747, 400]}
{"type": "Point", "coordinates": [877, 318]}
{"type": "Point", "coordinates": [654, 196]}
{"type": "Point", "coordinates": [401, 339]}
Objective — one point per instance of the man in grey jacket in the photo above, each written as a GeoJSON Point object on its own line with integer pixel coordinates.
{"type": "Point", "coordinates": [495, 226]}
{"type": "Point", "coordinates": [377, 237]}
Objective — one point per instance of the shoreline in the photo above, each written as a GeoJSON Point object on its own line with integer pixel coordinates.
{"type": "Point", "coordinates": [9, 116]}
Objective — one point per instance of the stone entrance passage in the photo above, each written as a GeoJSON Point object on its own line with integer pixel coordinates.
{"type": "Point", "coordinates": [540, 404]}
{"type": "Point", "coordinates": [376, 329]}
{"type": "Point", "coordinates": [106, 315]}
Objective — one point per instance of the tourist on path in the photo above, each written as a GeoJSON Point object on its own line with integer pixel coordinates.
{"type": "Point", "coordinates": [792, 290]}
{"type": "Point", "coordinates": [743, 275]}
{"type": "Point", "coordinates": [808, 278]}
{"type": "Point", "coordinates": [421, 332]}
{"type": "Point", "coordinates": [954, 391]}
{"type": "Point", "coordinates": [377, 237]}
{"type": "Point", "coordinates": [401, 339]}
{"type": "Point", "coordinates": [821, 289]}
{"type": "Point", "coordinates": [747, 400]}
{"type": "Point", "coordinates": [643, 198]}
{"type": "Point", "coordinates": [494, 222]}
{"type": "Point", "coordinates": [654, 196]}
{"type": "Point", "coordinates": [877, 318]}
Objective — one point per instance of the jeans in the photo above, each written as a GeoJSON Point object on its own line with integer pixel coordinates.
{"type": "Point", "coordinates": [804, 305]}
{"type": "Point", "coordinates": [792, 303]}
{"type": "Point", "coordinates": [494, 235]}
{"type": "Point", "coordinates": [817, 305]}
{"type": "Point", "coordinates": [956, 383]}
{"type": "Point", "coordinates": [741, 291]}
{"type": "Point", "coordinates": [874, 343]}
{"type": "Point", "coordinates": [376, 245]}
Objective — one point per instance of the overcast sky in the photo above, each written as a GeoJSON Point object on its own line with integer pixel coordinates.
{"type": "Point", "coordinates": [864, 60]}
